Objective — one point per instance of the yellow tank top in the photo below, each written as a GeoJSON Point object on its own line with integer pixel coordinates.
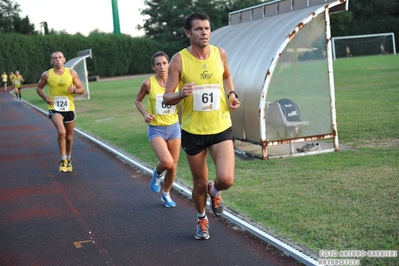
{"type": "Point", "coordinates": [4, 77]}
{"type": "Point", "coordinates": [206, 111]}
{"type": "Point", "coordinates": [17, 81]}
{"type": "Point", "coordinates": [63, 100]}
{"type": "Point", "coordinates": [164, 115]}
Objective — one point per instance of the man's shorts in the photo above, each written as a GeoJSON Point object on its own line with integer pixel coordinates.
{"type": "Point", "coordinates": [193, 144]}
{"type": "Point", "coordinates": [165, 132]}
{"type": "Point", "coordinates": [68, 116]}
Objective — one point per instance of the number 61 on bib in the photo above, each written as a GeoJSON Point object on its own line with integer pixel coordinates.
{"type": "Point", "coordinates": [206, 97]}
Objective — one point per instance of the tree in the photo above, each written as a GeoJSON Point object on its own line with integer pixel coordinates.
{"type": "Point", "coordinates": [8, 11]}
{"type": "Point", "coordinates": [340, 22]}
{"type": "Point", "coordinates": [10, 21]}
{"type": "Point", "coordinates": [24, 26]}
{"type": "Point", "coordinates": [369, 9]}
{"type": "Point", "coordinates": [166, 18]}
{"type": "Point", "coordinates": [367, 17]}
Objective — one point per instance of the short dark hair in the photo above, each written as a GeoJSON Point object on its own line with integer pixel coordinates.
{"type": "Point", "coordinates": [159, 53]}
{"type": "Point", "coordinates": [55, 53]}
{"type": "Point", "coordinates": [196, 15]}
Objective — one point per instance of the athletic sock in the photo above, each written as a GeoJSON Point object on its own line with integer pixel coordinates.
{"type": "Point", "coordinates": [63, 157]}
{"type": "Point", "coordinates": [201, 215]}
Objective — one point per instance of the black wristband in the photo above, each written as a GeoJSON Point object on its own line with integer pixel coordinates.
{"type": "Point", "coordinates": [228, 95]}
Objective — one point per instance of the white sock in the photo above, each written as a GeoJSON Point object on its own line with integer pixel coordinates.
{"type": "Point", "coordinates": [201, 215]}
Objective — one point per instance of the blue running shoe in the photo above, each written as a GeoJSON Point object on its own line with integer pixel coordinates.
{"type": "Point", "coordinates": [169, 203]}
{"type": "Point", "coordinates": [155, 181]}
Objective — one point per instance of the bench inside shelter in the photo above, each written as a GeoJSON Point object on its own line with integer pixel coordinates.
{"type": "Point", "coordinates": [283, 124]}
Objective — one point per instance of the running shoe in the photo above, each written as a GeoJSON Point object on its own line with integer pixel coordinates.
{"type": "Point", "coordinates": [69, 166]}
{"type": "Point", "coordinates": [169, 203]}
{"type": "Point", "coordinates": [63, 166]}
{"type": "Point", "coordinates": [216, 201]}
{"type": "Point", "coordinates": [202, 229]}
{"type": "Point", "coordinates": [155, 183]}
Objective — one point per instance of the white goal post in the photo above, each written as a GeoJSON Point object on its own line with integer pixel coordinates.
{"type": "Point", "coordinates": [360, 45]}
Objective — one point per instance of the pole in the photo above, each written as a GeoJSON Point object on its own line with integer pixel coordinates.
{"type": "Point", "coordinates": [115, 16]}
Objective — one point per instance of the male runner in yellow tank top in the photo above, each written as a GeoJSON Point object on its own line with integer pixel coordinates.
{"type": "Point", "coordinates": [206, 92]}
{"type": "Point", "coordinates": [17, 84]}
{"type": "Point", "coordinates": [63, 83]}
{"type": "Point", "coordinates": [163, 127]}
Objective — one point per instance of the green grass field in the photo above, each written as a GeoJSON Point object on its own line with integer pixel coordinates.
{"type": "Point", "coordinates": [346, 200]}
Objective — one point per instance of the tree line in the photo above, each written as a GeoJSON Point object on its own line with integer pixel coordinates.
{"type": "Point", "coordinates": [26, 49]}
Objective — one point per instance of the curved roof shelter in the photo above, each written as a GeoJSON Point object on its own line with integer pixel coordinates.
{"type": "Point", "coordinates": [280, 59]}
{"type": "Point", "coordinates": [78, 64]}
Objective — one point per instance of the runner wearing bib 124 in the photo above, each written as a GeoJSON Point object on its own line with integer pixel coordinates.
{"type": "Point", "coordinates": [63, 100]}
{"type": "Point", "coordinates": [17, 83]}
{"type": "Point", "coordinates": [63, 84]}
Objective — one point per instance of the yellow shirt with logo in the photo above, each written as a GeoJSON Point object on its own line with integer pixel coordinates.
{"type": "Point", "coordinates": [63, 100]}
{"type": "Point", "coordinates": [17, 80]}
{"type": "Point", "coordinates": [206, 111]}
{"type": "Point", "coordinates": [164, 115]}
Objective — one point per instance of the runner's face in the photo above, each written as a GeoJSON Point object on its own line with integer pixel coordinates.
{"type": "Point", "coordinates": [161, 66]}
{"type": "Point", "coordinates": [57, 60]}
{"type": "Point", "coordinates": [200, 33]}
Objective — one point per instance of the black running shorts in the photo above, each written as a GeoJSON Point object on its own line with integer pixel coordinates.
{"type": "Point", "coordinates": [193, 144]}
{"type": "Point", "coordinates": [68, 116]}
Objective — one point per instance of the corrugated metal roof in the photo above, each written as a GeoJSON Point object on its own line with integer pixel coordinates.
{"type": "Point", "coordinates": [253, 50]}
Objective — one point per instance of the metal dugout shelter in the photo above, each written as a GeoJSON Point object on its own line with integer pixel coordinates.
{"type": "Point", "coordinates": [78, 64]}
{"type": "Point", "coordinates": [278, 51]}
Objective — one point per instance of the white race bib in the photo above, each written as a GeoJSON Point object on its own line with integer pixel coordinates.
{"type": "Point", "coordinates": [163, 109]}
{"type": "Point", "coordinates": [206, 97]}
{"type": "Point", "coordinates": [61, 103]}
{"type": "Point", "coordinates": [16, 82]}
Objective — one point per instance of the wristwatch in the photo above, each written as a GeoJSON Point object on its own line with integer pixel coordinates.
{"type": "Point", "coordinates": [228, 95]}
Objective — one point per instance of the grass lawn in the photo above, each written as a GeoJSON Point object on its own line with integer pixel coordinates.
{"type": "Point", "coordinates": [346, 200]}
